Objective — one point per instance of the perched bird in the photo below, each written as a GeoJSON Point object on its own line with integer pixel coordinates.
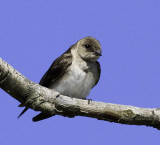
{"type": "Point", "coordinates": [74, 73]}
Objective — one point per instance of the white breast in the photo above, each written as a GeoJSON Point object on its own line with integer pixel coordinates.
{"type": "Point", "coordinates": [77, 82]}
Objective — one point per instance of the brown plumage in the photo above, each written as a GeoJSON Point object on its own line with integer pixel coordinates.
{"type": "Point", "coordinates": [74, 73]}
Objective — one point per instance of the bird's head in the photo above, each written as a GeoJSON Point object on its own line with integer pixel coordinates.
{"type": "Point", "coordinates": [89, 48]}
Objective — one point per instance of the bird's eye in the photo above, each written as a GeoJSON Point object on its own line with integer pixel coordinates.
{"type": "Point", "coordinates": [87, 46]}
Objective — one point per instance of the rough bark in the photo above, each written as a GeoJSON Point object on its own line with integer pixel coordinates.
{"type": "Point", "coordinates": [45, 100]}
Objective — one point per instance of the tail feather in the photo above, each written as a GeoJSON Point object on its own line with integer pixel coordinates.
{"type": "Point", "coordinates": [25, 109]}
{"type": "Point", "coordinates": [41, 116]}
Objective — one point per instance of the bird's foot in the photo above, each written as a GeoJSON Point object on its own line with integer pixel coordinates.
{"type": "Point", "coordinates": [89, 101]}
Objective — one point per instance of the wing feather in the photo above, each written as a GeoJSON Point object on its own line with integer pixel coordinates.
{"type": "Point", "coordinates": [57, 69]}
{"type": "Point", "coordinates": [99, 72]}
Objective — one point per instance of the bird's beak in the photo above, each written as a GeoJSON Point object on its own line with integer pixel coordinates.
{"type": "Point", "coordinates": [98, 53]}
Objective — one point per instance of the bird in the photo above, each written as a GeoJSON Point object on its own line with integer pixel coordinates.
{"type": "Point", "coordinates": [74, 73]}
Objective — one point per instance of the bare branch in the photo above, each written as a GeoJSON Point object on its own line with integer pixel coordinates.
{"type": "Point", "coordinates": [42, 99]}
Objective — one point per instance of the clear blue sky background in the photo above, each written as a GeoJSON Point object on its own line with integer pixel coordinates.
{"type": "Point", "coordinates": [33, 33]}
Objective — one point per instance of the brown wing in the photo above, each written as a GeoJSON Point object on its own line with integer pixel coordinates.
{"type": "Point", "coordinates": [99, 72]}
{"type": "Point", "coordinates": [57, 69]}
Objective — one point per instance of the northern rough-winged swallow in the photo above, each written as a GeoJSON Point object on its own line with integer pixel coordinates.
{"type": "Point", "coordinates": [75, 72]}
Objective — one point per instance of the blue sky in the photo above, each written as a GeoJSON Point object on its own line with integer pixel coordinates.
{"type": "Point", "coordinates": [34, 33]}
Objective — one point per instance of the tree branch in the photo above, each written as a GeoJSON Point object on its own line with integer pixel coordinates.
{"type": "Point", "coordinates": [43, 99]}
